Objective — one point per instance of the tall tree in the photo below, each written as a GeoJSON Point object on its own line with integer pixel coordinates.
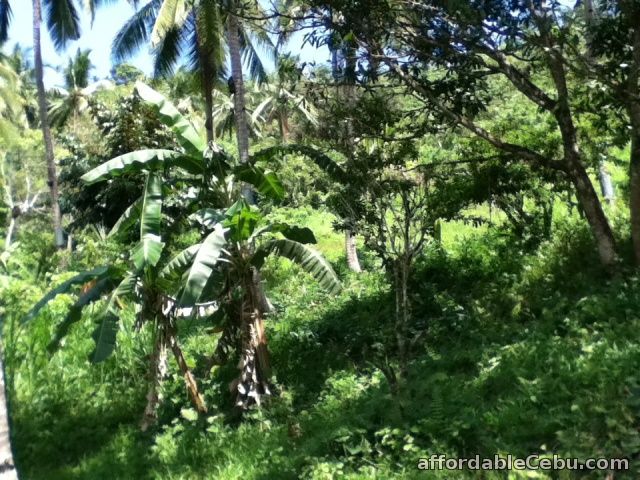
{"type": "Point", "coordinates": [52, 177]}
{"type": "Point", "coordinates": [10, 107]}
{"type": "Point", "coordinates": [63, 24]}
{"type": "Point", "coordinates": [239, 102]}
{"type": "Point", "coordinates": [443, 53]}
{"type": "Point", "coordinates": [282, 99]}
{"type": "Point", "coordinates": [197, 29]}
{"type": "Point", "coordinates": [73, 99]}
{"type": "Point", "coordinates": [343, 66]}
{"type": "Point", "coordinates": [613, 60]}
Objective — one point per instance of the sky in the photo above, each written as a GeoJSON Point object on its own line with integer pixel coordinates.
{"type": "Point", "coordinates": [98, 39]}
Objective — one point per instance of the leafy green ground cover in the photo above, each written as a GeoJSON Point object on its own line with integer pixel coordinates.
{"type": "Point", "coordinates": [525, 353]}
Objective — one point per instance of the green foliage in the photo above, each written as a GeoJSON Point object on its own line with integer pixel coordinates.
{"type": "Point", "coordinates": [266, 182]}
{"type": "Point", "coordinates": [154, 288]}
{"type": "Point", "coordinates": [147, 252]}
{"type": "Point", "coordinates": [131, 162]}
{"type": "Point", "coordinates": [322, 160]}
{"type": "Point", "coordinates": [104, 337]}
{"type": "Point", "coordinates": [310, 260]}
{"type": "Point", "coordinates": [184, 131]}
{"type": "Point", "coordinates": [75, 312]}
{"type": "Point", "coordinates": [201, 270]}
{"type": "Point", "coordinates": [447, 168]}
{"type": "Point", "coordinates": [81, 278]}
{"type": "Point", "coordinates": [512, 335]}
{"type": "Point", "coordinates": [126, 73]}
{"type": "Point", "coordinates": [129, 126]}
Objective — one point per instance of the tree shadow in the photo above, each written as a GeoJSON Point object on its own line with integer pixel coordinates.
{"type": "Point", "coordinates": [65, 439]}
{"type": "Point", "coordinates": [523, 354]}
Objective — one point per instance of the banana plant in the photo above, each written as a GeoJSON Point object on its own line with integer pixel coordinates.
{"type": "Point", "coordinates": [281, 101]}
{"type": "Point", "coordinates": [143, 284]}
{"type": "Point", "coordinates": [228, 271]}
{"type": "Point", "coordinates": [203, 185]}
{"type": "Point", "coordinates": [225, 271]}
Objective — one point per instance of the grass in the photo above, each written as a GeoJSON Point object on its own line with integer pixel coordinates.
{"type": "Point", "coordinates": [527, 351]}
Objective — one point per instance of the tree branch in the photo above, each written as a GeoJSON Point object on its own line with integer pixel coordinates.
{"type": "Point", "coordinates": [525, 153]}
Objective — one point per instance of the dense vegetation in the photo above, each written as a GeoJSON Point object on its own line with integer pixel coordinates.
{"type": "Point", "coordinates": [237, 269]}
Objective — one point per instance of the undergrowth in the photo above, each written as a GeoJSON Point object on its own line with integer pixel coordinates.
{"type": "Point", "coordinates": [525, 351]}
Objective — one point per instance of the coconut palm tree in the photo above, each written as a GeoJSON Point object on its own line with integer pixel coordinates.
{"type": "Point", "coordinates": [21, 60]}
{"type": "Point", "coordinates": [10, 109]}
{"type": "Point", "coordinates": [225, 117]}
{"type": "Point", "coordinates": [63, 23]}
{"type": "Point", "coordinates": [280, 99]}
{"type": "Point", "coordinates": [74, 98]}
{"type": "Point", "coordinates": [11, 118]}
{"type": "Point", "coordinates": [176, 29]}
{"type": "Point", "coordinates": [11, 102]}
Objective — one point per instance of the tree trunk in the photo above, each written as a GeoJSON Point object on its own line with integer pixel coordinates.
{"type": "Point", "coordinates": [281, 128]}
{"type": "Point", "coordinates": [190, 380]}
{"type": "Point", "coordinates": [634, 179]}
{"type": "Point", "coordinates": [401, 275]}
{"type": "Point", "coordinates": [52, 177]}
{"type": "Point", "coordinates": [240, 116]}
{"type": "Point", "coordinates": [239, 102]}
{"type": "Point", "coordinates": [208, 103]}
{"type": "Point", "coordinates": [283, 123]}
{"type": "Point", "coordinates": [207, 75]}
{"type": "Point", "coordinates": [350, 239]}
{"type": "Point", "coordinates": [7, 468]}
{"type": "Point", "coordinates": [9, 237]}
{"type": "Point", "coordinates": [593, 212]}
{"type": "Point", "coordinates": [158, 370]}
{"type": "Point", "coordinates": [633, 108]}
{"type": "Point", "coordinates": [352, 251]}
{"type": "Point", "coordinates": [575, 168]}
{"type": "Point", "coordinates": [255, 368]}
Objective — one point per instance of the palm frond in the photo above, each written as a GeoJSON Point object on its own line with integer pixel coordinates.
{"type": "Point", "coordinates": [206, 42]}
{"type": "Point", "coordinates": [149, 249]}
{"type": "Point", "coordinates": [5, 19]}
{"type": "Point", "coordinates": [106, 331]}
{"type": "Point", "coordinates": [81, 278]}
{"type": "Point", "coordinates": [92, 5]}
{"type": "Point", "coordinates": [63, 21]}
{"type": "Point", "coordinates": [135, 32]}
{"type": "Point", "coordinates": [74, 314]}
{"type": "Point", "coordinates": [250, 56]}
{"type": "Point", "coordinates": [76, 73]}
{"type": "Point", "coordinates": [322, 160]}
{"type": "Point", "coordinates": [171, 16]}
{"type": "Point", "coordinates": [128, 219]}
{"type": "Point", "coordinates": [60, 110]}
{"type": "Point", "coordinates": [167, 53]}
{"type": "Point", "coordinates": [202, 267]}
{"type": "Point", "coordinates": [309, 259]}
